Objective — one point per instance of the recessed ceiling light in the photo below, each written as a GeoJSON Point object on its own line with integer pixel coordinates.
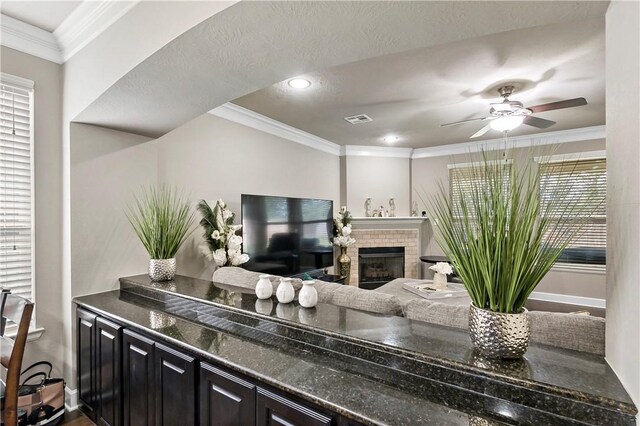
{"type": "Point", "coordinates": [390, 138]}
{"type": "Point", "coordinates": [299, 83]}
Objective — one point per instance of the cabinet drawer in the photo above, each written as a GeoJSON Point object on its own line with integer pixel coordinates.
{"type": "Point", "coordinates": [138, 380]}
{"type": "Point", "coordinates": [108, 356]}
{"type": "Point", "coordinates": [175, 387]}
{"type": "Point", "coordinates": [225, 399]}
{"type": "Point", "coordinates": [275, 410]}
{"type": "Point", "coordinates": [86, 353]}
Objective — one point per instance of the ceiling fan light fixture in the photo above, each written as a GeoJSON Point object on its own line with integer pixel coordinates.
{"type": "Point", "coordinates": [507, 122]}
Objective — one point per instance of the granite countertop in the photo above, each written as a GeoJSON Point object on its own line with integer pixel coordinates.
{"type": "Point", "coordinates": [393, 356]}
{"type": "Point", "coordinates": [304, 373]}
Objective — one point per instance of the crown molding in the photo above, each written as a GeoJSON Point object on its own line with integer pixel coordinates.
{"type": "Point", "coordinates": [375, 151]}
{"type": "Point", "coordinates": [548, 138]}
{"type": "Point", "coordinates": [246, 117]}
{"type": "Point", "coordinates": [87, 22]}
{"type": "Point", "coordinates": [81, 27]}
{"type": "Point", "coordinates": [27, 38]}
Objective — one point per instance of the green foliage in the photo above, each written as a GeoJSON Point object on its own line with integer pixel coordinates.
{"type": "Point", "coordinates": [162, 218]}
{"type": "Point", "coordinates": [502, 243]}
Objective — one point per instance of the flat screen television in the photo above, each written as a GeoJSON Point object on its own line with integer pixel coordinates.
{"type": "Point", "coordinates": [287, 236]}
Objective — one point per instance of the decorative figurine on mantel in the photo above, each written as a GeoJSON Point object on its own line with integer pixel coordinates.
{"type": "Point", "coordinates": [414, 209]}
{"type": "Point", "coordinates": [392, 207]}
{"type": "Point", "coordinates": [367, 208]}
{"type": "Point", "coordinates": [382, 212]}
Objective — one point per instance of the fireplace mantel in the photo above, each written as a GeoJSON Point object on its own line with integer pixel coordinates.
{"type": "Point", "coordinates": [389, 220]}
{"type": "Point", "coordinates": [408, 232]}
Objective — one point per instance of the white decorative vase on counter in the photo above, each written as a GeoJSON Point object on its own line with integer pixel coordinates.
{"type": "Point", "coordinates": [285, 292]}
{"type": "Point", "coordinates": [440, 281]}
{"type": "Point", "coordinates": [162, 269]}
{"type": "Point", "coordinates": [308, 296]}
{"type": "Point", "coordinates": [264, 289]}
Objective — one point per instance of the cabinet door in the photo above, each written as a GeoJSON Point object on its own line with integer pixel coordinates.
{"type": "Point", "coordinates": [175, 387]}
{"type": "Point", "coordinates": [275, 410]}
{"type": "Point", "coordinates": [225, 400]}
{"type": "Point", "coordinates": [138, 379]}
{"type": "Point", "coordinates": [108, 350]}
{"type": "Point", "coordinates": [86, 356]}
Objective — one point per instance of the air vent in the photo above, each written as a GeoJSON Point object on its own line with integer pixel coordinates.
{"type": "Point", "coordinates": [357, 119]}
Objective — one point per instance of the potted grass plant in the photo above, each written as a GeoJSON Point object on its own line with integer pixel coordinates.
{"type": "Point", "coordinates": [162, 218]}
{"type": "Point", "coordinates": [502, 238]}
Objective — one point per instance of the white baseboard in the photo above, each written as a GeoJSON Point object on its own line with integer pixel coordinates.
{"type": "Point", "coordinates": [70, 399]}
{"type": "Point", "coordinates": [569, 300]}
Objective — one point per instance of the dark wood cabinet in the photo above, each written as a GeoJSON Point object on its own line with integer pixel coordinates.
{"type": "Point", "coordinates": [108, 356]}
{"type": "Point", "coordinates": [138, 380]}
{"type": "Point", "coordinates": [126, 378]}
{"type": "Point", "coordinates": [276, 410]}
{"type": "Point", "coordinates": [175, 387]}
{"type": "Point", "coordinates": [85, 346]}
{"type": "Point", "coordinates": [225, 399]}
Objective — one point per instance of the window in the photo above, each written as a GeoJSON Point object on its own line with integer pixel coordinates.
{"type": "Point", "coordinates": [16, 185]}
{"type": "Point", "coordinates": [583, 183]}
{"type": "Point", "coordinates": [467, 177]}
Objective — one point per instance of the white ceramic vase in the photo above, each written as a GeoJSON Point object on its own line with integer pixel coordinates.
{"type": "Point", "coordinates": [264, 289]}
{"type": "Point", "coordinates": [308, 296]}
{"type": "Point", "coordinates": [285, 292]}
{"type": "Point", "coordinates": [440, 281]}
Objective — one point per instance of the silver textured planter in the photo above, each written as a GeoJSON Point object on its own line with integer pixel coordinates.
{"type": "Point", "coordinates": [498, 335]}
{"type": "Point", "coordinates": [162, 269]}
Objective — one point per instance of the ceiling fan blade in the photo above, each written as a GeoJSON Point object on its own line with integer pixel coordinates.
{"type": "Point", "coordinates": [481, 132]}
{"type": "Point", "coordinates": [540, 123]}
{"type": "Point", "coordinates": [569, 103]}
{"type": "Point", "coordinates": [464, 121]}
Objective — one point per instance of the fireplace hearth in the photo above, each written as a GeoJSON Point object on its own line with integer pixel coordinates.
{"type": "Point", "coordinates": [379, 265]}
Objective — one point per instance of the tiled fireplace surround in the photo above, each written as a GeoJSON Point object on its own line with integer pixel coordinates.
{"type": "Point", "coordinates": [388, 232]}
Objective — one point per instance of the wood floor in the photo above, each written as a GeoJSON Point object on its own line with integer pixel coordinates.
{"type": "Point", "coordinates": [76, 418]}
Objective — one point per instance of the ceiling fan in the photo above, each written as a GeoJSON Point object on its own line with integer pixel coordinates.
{"type": "Point", "coordinates": [507, 115]}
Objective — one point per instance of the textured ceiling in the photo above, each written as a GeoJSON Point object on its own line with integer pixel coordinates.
{"type": "Point", "coordinates": [47, 15]}
{"type": "Point", "coordinates": [252, 45]}
{"type": "Point", "coordinates": [410, 94]}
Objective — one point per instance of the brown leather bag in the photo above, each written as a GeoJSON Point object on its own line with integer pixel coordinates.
{"type": "Point", "coordinates": [43, 401]}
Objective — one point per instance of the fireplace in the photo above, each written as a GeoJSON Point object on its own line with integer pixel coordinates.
{"type": "Point", "coordinates": [379, 265]}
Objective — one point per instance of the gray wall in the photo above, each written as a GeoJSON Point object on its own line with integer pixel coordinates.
{"type": "Point", "coordinates": [427, 172]}
{"type": "Point", "coordinates": [623, 206]}
{"type": "Point", "coordinates": [212, 158]}
{"type": "Point", "coordinates": [90, 72]}
{"type": "Point", "coordinates": [107, 167]}
{"type": "Point", "coordinates": [379, 178]}
{"type": "Point", "coordinates": [47, 77]}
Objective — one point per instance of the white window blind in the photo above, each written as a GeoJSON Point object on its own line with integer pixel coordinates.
{"type": "Point", "coordinates": [16, 185]}
{"type": "Point", "coordinates": [581, 183]}
{"type": "Point", "coordinates": [464, 179]}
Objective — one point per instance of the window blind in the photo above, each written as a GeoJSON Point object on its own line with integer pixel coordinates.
{"type": "Point", "coordinates": [465, 179]}
{"type": "Point", "coordinates": [16, 192]}
{"type": "Point", "coordinates": [583, 185]}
